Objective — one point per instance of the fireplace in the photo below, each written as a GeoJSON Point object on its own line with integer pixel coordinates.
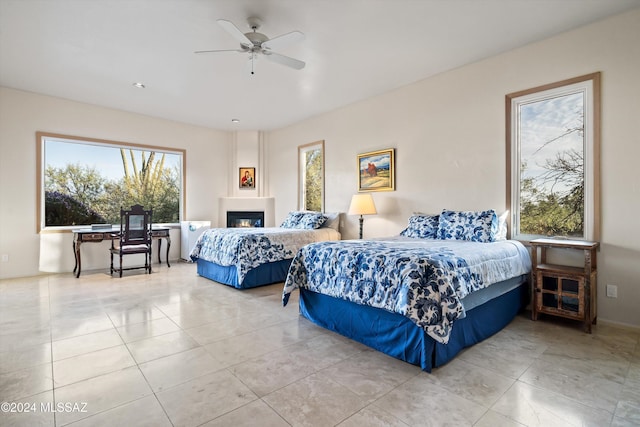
{"type": "Point", "coordinates": [252, 205]}
{"type": "Point", "coordinates": [245, 219]}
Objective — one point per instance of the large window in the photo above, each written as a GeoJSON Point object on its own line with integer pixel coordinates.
{"type": "Point", "coordinates": [553, 146]}
{"type": "Point", "coordinates": [85, 181]}
{"type": "Point", "coordinates": [311, 176]}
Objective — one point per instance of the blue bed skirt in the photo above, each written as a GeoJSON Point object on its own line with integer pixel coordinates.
{"type": "Point", "coordinates": [264, 274]}
{"type": "Point", "coordinates": [399, 337]}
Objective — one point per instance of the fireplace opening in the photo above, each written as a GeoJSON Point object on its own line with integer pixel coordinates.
{"type": "Point", "coordinates": [245, 219]}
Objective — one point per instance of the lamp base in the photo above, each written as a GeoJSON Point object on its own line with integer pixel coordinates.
{"type": "Point", "coordinates": [361, 222]}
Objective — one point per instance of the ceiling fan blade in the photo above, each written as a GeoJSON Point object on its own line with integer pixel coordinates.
{"type": "Point", "coordinates": [283, 40]}
{"type": "Point", "coordinates": [219, 51]}
{"type": "Point", "coordinates": [284, 60]}
{"type": "Point", "coordinates": [230, 28]}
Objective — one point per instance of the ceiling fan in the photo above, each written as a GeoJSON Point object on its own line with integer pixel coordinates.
{"type": "Point", "coordinates": [255, 43]}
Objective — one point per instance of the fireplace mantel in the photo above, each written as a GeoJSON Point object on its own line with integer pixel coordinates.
{"type": "Point", "coordinates": [259, 204]}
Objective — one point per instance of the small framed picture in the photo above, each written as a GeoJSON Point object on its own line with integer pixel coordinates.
{"type": "Point", "coordinates": [376, 171]}
{"type": "Point", "coordinates": [247, 178]}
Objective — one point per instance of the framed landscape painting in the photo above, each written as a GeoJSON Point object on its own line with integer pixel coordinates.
{"type": "Point", "coordinates": [376, 171]}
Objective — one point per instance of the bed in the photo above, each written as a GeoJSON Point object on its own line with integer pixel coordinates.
{"type": "Point", "coordinates": [250, 257]}
{"type": "Point", "coordinates": [421, 296]}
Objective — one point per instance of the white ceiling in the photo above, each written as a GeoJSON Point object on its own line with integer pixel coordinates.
{"type": "Point", "coordinates": [94, 50]}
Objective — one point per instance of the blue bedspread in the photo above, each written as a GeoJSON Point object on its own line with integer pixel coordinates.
{"type": "Point", "coordinates": [247, 248]}
{"type": "Point", "coordinates": [421, 279]}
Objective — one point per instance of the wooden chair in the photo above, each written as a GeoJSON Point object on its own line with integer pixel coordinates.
{"type": "Point", "coordinates": [134, 237]}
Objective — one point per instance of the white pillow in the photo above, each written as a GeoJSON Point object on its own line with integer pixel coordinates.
{"type": "Point", "coordinates": [333, 220]}
{"type": "Point", "coordinates": [502, 226]}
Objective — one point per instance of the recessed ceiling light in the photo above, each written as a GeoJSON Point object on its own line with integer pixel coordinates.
{"type": "Point", "coordinates": [139, 85]}
{"type": "Point", "coordinates": [235, 121]}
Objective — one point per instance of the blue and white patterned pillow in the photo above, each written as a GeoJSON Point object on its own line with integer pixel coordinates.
{"type": "Point", "coordinates": [472, 226]}
{"type": "Point", "coordinates": [311, 220]}
{"type": "Point", "coordinates": [292, 220]}
{"type": "Point", "coordinates": [422, 226]}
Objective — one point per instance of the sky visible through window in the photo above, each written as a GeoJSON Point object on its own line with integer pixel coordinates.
{"type": "Point", "coordinates": [542, 126]}
{"type": "Point", "coordinates": [105, 159]}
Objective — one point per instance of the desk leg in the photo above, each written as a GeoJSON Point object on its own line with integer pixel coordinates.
{"type": "Point", "coordinates": [168, 247]}
{"type": "Point", "coordinates": [76, 247]}
{"type": "Point", "coordinates": [75, 256]}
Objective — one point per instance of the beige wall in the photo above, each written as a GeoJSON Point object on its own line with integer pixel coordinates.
{"type": "Point", "coordinates": [23, 113]}
{"type": "Point", "coordinates": [449, 136]}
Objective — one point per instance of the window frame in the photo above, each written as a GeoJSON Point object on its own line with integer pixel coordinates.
{"type": "Point", "coordinates": [590, 85]}
{"type": "Point", "coordinates": [40, 173]}
{"type": "Point", "coordinates": [302, 149]}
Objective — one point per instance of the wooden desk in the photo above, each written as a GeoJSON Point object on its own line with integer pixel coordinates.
{"type": "Point", "coordinates": [82, 235]}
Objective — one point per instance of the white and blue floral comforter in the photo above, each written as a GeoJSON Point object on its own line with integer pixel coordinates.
{"type": "Point", "coordinates": [247, 248]}
{"type": "Point", "coordinates": [421, 279]}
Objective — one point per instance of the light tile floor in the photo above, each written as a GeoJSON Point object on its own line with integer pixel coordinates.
{"type": "Point", "coordinates": [175, 349]}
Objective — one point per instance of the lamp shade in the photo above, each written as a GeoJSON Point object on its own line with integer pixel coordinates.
{"type": "Point", "coordinates": [362, 204]}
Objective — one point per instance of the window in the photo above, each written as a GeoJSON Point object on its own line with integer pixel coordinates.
{"type": "Point", "coordinates": [311, 176]}
{"type": "Point", "coordinates": [84, 181]}
{"type": "Point", "coordinates": [553, 148]}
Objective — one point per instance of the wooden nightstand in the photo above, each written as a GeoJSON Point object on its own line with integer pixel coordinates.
{"type": "Point", "coordinates": [561, 290]}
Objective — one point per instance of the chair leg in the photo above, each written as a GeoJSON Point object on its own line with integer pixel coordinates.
{"type": "Point", "coordinates": [111, 270]}
{"type": "Point", "coordinates": [120, 265]}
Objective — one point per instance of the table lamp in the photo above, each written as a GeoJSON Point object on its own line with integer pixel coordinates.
{"type": "Point", "coordinates": [362, 204]}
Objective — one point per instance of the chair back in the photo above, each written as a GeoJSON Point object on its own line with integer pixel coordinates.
{"type": "Point", "coordinates": [135, 226]}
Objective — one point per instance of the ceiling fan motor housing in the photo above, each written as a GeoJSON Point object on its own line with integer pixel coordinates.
{"type": "Point", "coordinates": [256, 38]}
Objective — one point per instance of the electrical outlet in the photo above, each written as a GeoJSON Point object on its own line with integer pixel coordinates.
{"type": "Point", "coordinates": [5, 257]}
{"type": "Point", "coordinates": [612, 291]}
